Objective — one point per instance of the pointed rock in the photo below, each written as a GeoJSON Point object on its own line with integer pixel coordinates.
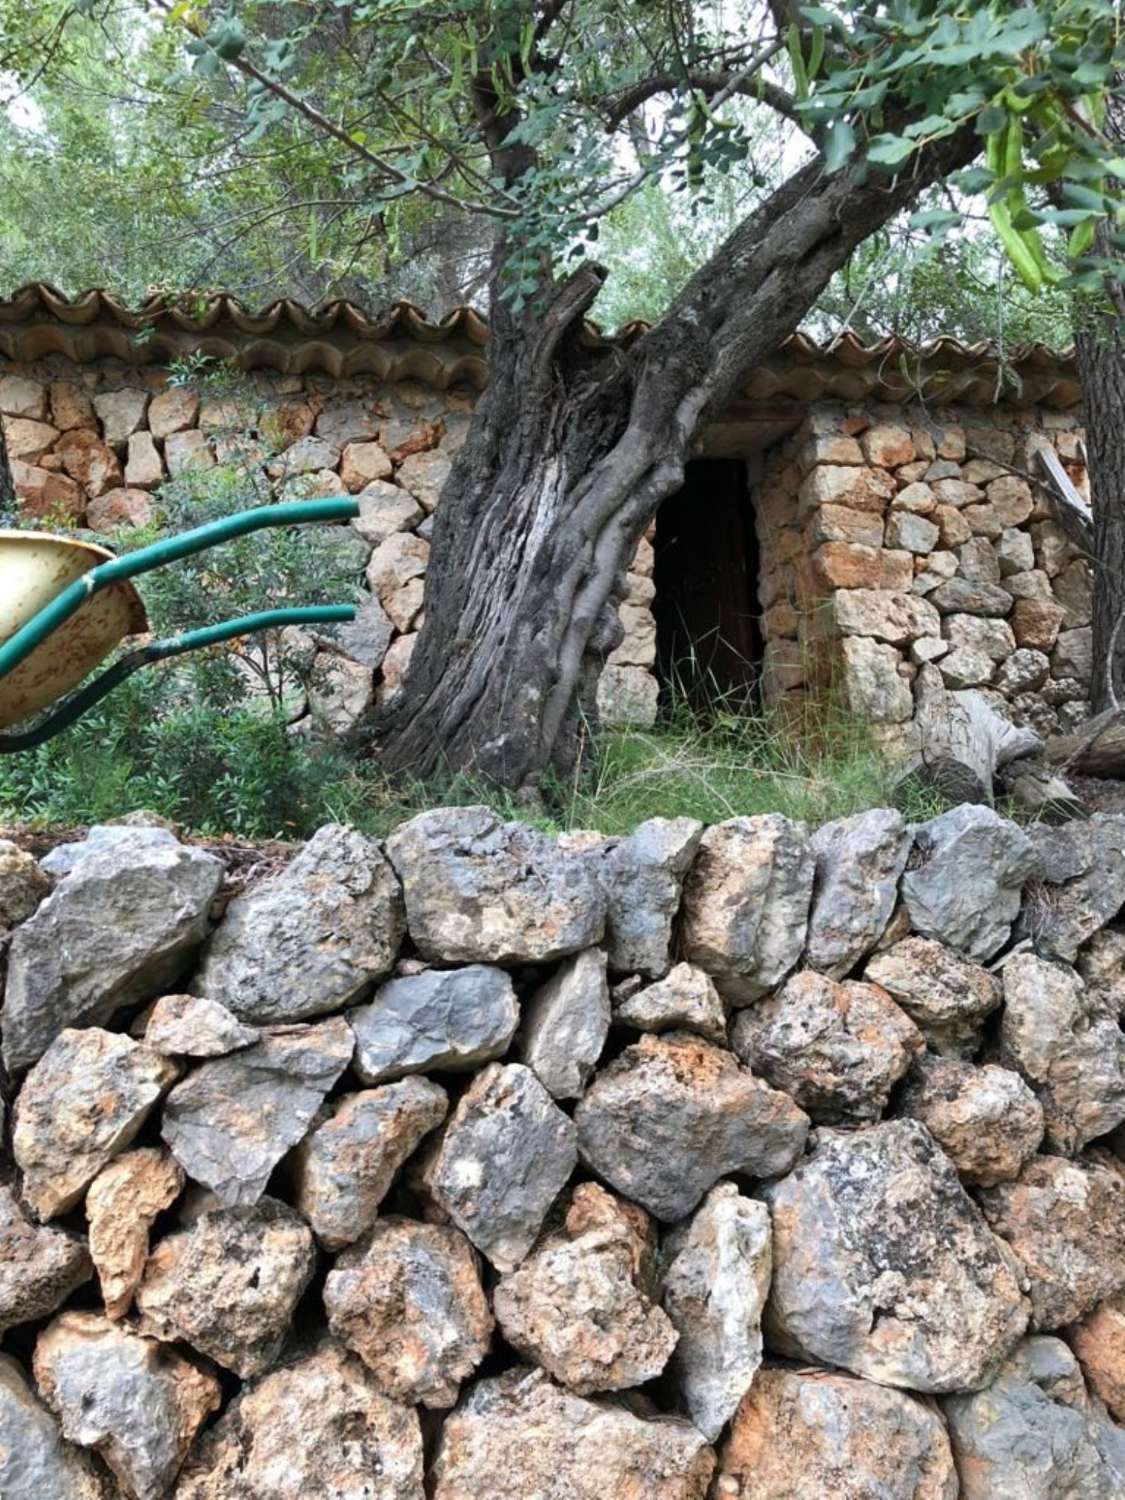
{"type": "Point", "coordinates": [643, 878]}
{"type": "Point", "coordinates": [35, 1462]}
{"type": "Point", "coordinates": [858, 864]}
{"type": "Point", "coordinates": [442, 1020]}
{"type": "Point", "coordinates": [582, 1304]}
{"type": "Point", "coordinates": [130, 909]}
{"type": "Point", "coordinates": [883, 1265]}
{"type": "Point", "coordinates": [503, 1159]}
{"type": "Point", "coordinates": [227, 1284]}
{"type": "Point", "coordinates": [343, 1168]}
{"type": "Point", "coordinates": [310, 939]}
{"type": "Point", "coordinates": [673, 1114]}
{"type": "Point", "coordinates": [193, 1026]}
{"type": "Point", "coordinates": [122, 1202]}
{"type": "Point", "coordinates": [39, 1268]}
{"type": "Point", "coordinates": [1082, 886]}
{"type": "Point", "coordinates": [566, 1023]}
{"type": "Point", "coordinates": [1099, 1342]}
{"type": "Point", "coordinates": [685, 999]}
{"type": "Point", "coordinates": [82, 1104]}
{"type": "Point", "coordinates": [408, 1300]}
{"type": "Point", "coordinates": [715, 1289]}
{"type": "Point", "coordinates": [233, 1119]}
{"type": "Point", "coordinates": [137, 1403]}
{"type": "Point", "coordinates": [317, 1428]}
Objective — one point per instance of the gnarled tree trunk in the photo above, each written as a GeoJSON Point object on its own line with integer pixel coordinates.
{"type": "Point", "coordinates": [569, 458]}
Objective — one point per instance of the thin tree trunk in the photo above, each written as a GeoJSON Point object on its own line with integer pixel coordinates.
{"type": "Point", "coordinates": [568, 459]}
{"type": "Point", "coordinates": [7, 483]}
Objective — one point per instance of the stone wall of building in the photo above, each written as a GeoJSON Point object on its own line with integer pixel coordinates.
{"type": "Point", "coordinates": [478, 1165]}
{"type": "Point", "coordinates": [894, 536]}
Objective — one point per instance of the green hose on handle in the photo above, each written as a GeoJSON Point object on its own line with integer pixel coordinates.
{"type": "Point", "coordinates": [115, 570]}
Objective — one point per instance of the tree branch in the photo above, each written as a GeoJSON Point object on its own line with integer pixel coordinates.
{"type": "Point", "coordinates": [716, 87]}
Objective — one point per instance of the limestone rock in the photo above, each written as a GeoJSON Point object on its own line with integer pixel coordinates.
{"type": "Point", "coordinates": [309, 939]}
{"type": "Point", "coordinates": [1070, 1050]}
{"type": "Point", "coordinates": [643, 877]}
{"type": "Point", "coordinates": [383, 510]}
{"type": "Point", "coordinates": [120, 413]}
{"type": "Point", "coordinates": [317, 1428]}
{"type": "Point", "coordinates": [172, 411]}
{"type": "Point", "coordinates": [447, 1020]}
{"type": "Point", "coordinates": [341, 695]}
{"type": "Point", "coordinates": [566, 1022]}
{"type": "Point", "coordinates": [746, 903]}
{"type": "Point", "coordinates": [24, 884]}
{"type": "Point", "coordinates": [117, 928]}
{"type": "Point", "coordinates": [35, 1462]}
{"type": "Point", "coordinates": [138, 1403]}
{"type": "Point", "coordinates": [194, 1026]}
{"type": "Point", "coordinates": [685, 999]}
{"type": "Point", "coordinates": [1101, 962]}
{"type": "Point", "coordinates": [715, 1288]}
{"type": "Point", "coordinates": [1099, 1342]}
{"type": "Point", "coordinates": [1065, 1221]}
{"type": "Point", "coordinates": [837, 1048]}
{"type": "Point", "coordinates": [481, 891]}
{"type": "Point", "coordinates": [670, 1116]}
{"type": "Point", "coordinates": [883, 1265]}
{"type": "Point", "coordinates": [504, 1156]}
{"type": "Point", "coordinates": [986, 1120]}
{"type": "Point", "coordinates": [82, 1103]}
{"type": "Point", "coordinates": [945, 995]}
{"type": "Point", "coordinates": [227, 1284]}
{"type": "Point", "coordinates": [1083, 883]}
{"type": "Point", "coordinates": [39, 1268]}
{"type": "Point", "coordinates": [965, 888]}
{"type": "Point", "coordinates": [581, 1304]}
{"type": "Point", "coordinates": [1035, 1433]}
{"type": "Point", "coordinates": [519, 1436]}
{"type": "Point", "coordinates": [121, 1205]}
{"type": "Point", "coordinates": [233, 1119]}
{"type": "Point", "coordinates": [801, 1434]}
{"type": "Point", "coordinates": [408, 1300]}
{"type": "Point", "coordinates": [344, 1167]}
{"type": "Point", "coordinates": [858, 864]}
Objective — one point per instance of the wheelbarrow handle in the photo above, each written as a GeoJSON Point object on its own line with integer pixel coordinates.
{"type": "Point", "coordinates": [171, 549]}
{"type": "Point", "coordinates": [175, 645]}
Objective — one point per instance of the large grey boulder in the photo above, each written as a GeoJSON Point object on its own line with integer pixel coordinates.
{"type": "Point", "coordinates": [82, 1103]}
{"type": "Point", "coordinates": [310, 939]}
{"type": "Point", "coordinates": [408, 1300]}
{"type": "Point", "coordinates": [670, 1116]}
{"type": "Point", "coordinates": [503, 1159]}
{"type": "Point", "coordinates": [858, 864]}
{"type": "Point", "coordinates": [35, 1462]}
{"type": "Point", "coordinates": [137, 1403]}
{"type": "Point", "coordinates": [581, 1305]}
{"type": "Point", "coordinates": [746, 903]}
{"type": "Point", "coordinates": [227, 1284]}
{"type": "Point", "coordinates": [967, 871]}
{"type": "Point", "coordinates": [442, 1020]}
{"type": "Point", "coordinates": [643, 877]}
{"type": "Point", "coordinates": [946, 995]}
{"type": "Point", "coordinates": [232, 1119]}
{"type": "Point", "coordinates": [317, 1428]}
{"type": "Point", "coordinates": [883, 1265]}
{"type": "Point", "coordinates": [1065, 1223]}
{"type": "Point", "coordinates": [1081, 885]}
{"type": "Point", "coordinates": [519, 1436]}
{"type": "Point", "coordinates": [566, 1022]}
{"type": "Point", "coordinates": [838, 1048]}
{"type": "Point", "coordinates": [1068, 1046]}
{"type": "Point", "coordinates": [344, 1167]}
{"type": "Point", "coordinates": [39, 1267]}
{"type": "Point", "coordinates": [124, 920]}
{"type": "Point", "coordinates": [715, 1288]}
{"type": "Point", "coordinates": [481, 891]}
{"type": "Point", "coordinates": [1034, 1434]}
{"type": "Point", "coordinates": [814, 1434]}
{"type": "Point", "coordinates": [986, 1119]}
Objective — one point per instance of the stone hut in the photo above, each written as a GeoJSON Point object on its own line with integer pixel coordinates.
{"type": "Point", "coordinates": [855, 514]}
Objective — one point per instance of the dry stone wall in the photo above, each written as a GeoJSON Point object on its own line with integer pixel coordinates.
{"type": "Point", "coordinates": [895, 537]}
{"type": "Point", "coordinates": [90, 444]}
{"type": "Point", "coordinates": [725, 1163]}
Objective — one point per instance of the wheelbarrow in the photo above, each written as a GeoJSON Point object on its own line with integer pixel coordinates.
{"type": "Point", "coordinates": [65, 605]}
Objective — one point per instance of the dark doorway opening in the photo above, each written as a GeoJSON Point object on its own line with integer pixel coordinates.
{"type": "Point", "coordinates": [708, 636]}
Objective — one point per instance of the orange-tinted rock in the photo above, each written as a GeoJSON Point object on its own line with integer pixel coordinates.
{"type": "Point", "coordinates": [90, 461]}
{"type": "Point", "coordinates": [71, 406]}
{"type": "Point", "coordinates": [887, 446]}
{"type": "Point", "coordinates": [119, 507]}
{"type": "Point", "coordinates": [121, 1205]}
{"type": "Point", "coordinates": [1099, 1343]}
